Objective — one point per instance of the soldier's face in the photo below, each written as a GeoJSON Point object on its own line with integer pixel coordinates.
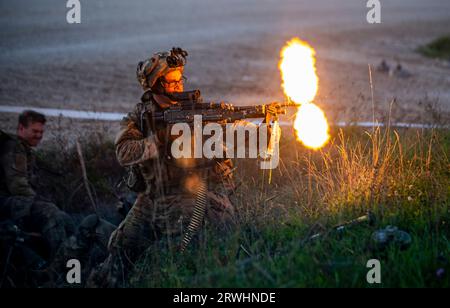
{"type": "Point", "coordinates": [32, 134]}
{"type": "Point", "coordinates": [173, 82]}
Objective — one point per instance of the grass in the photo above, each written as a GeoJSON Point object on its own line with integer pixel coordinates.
{"type": "Point", "coordinates": [438, 48]}
{"type": "Point", "coordinates": [61, 178]}
{"type": "Point", "coordinates": [402, 177]}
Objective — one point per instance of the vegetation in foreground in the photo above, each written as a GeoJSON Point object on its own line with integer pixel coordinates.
{"type": "Point", "coordinates": [401, 177]}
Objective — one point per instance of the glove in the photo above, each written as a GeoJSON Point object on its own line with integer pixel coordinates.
{"type": "Point", "coordinates": [274, 109]}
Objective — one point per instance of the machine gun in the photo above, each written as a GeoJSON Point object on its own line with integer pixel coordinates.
{"type": "Point", "coordinates": [190, 104]}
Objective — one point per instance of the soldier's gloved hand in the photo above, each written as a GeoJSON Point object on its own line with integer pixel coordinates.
{"type": "Point", "coordinates": [274, 109]}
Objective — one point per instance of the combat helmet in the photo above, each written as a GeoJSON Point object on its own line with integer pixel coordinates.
{"type": "Point", "coordinates": [160, 64]}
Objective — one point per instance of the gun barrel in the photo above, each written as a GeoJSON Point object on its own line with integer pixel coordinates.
{"type": "Point", "coordinates": [282, 105]}
{"type": "Point", "coordinates": [289, 104]}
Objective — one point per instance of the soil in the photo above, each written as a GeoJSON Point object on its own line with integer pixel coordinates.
{"type": "Point", "coordinates": [233, 54]}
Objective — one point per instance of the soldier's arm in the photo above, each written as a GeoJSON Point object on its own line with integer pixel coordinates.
{"type": "Point", "coordinates": [244, 124]}
{"type": "Point", "coordinates": [14, 164]}
{"type": "Point", "coordinates": [131, 145]}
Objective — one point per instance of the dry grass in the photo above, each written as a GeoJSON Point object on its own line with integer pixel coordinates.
{"type": "Point", "coordinates": [401, 176]}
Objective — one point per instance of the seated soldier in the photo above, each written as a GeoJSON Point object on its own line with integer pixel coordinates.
{"type": "Point", "coordinates": [19, 200]}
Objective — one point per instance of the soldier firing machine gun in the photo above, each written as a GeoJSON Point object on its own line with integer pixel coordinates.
{"type": "Point", "coordinates": [189, 106]}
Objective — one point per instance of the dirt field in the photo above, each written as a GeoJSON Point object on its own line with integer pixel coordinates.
{"type": "Point", "coordinates": [234, 51]}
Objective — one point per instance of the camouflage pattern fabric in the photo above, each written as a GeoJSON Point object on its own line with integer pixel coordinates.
{"type": "Point", "coordinates": [19, 200]}
{"type": "Point", "coordinates": [34, 215]}
{"type": "Point", "coordinates": [150, 220]}
{"type": "Point", "coordinates": [164, 208]}
{"type": "Point", "coordinates": [88, 245]}
{"type": "Point", "coordinates": [17, 169]}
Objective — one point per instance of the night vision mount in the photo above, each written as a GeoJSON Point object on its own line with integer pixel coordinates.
{"type": "Point", "coordinates": [177, 57]}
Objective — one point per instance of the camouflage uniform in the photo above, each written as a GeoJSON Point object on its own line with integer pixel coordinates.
{"type": "Point", "coordinates": [19, 200]}
{"type": "Point", "coordinates": [165, 206]}
{"type": "Point", "coordinates": [88, 245]}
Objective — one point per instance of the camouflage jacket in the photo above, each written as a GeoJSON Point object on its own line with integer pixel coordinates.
{"type": "Point", "coordinates": [146, 145]}
{"type": "Point", "coordinates": [17, 170]}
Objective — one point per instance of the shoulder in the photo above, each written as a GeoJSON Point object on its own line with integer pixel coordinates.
{"type": "Point", "coordinates": [14, 153]}
{"type": "Point", "coordinates": [145, 105]}
{"type": "Point", "coordinates": [4, 136]}
{"type": "Point", "coordinates": [10, 143]}
{"type": "Point", "coordinates": [134, 115]}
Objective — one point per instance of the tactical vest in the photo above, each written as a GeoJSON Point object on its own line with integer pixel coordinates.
{"type": "Point", "coordinates": [167, 175]}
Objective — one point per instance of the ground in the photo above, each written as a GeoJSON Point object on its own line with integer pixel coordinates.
{"type": "Point", "coordinates": [234, 52]}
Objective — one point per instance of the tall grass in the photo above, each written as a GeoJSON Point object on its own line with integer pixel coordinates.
{"type": "Point", "coordinates": [402, 177]}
